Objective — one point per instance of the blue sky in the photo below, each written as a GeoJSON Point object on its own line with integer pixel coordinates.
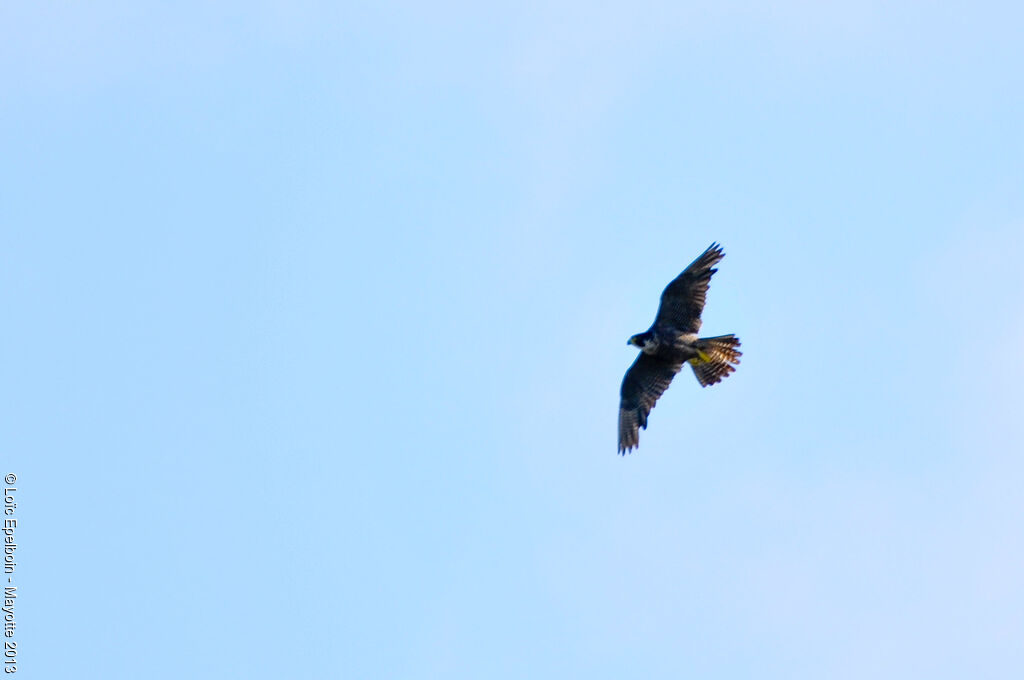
{"type": "Point", "coordinates": [316, 315]}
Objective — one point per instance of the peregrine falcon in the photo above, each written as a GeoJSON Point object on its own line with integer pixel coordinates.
{"type": "Point", "coordinates": [670, 342]}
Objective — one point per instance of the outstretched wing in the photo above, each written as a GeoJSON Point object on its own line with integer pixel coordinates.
{"type": "Point", "coordinates": [645, 381]}
{"type": "Point", "coordinates": [682, 301]}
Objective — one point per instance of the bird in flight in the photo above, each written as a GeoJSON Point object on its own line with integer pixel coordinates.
{"type": "Point", "coordinates": [670, 342]}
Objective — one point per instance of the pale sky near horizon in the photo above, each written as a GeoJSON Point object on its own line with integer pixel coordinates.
{"type": "Point", "coordinates": [316, 314]}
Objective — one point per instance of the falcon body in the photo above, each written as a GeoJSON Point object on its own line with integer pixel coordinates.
{"type": "Point", "coordinates": [670, 342]}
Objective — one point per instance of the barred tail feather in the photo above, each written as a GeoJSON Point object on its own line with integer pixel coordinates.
{"type": "Point", "coordinates": [719, 355]}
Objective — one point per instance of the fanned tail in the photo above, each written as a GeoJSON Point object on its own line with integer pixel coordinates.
{"type": "Point", "coordinates": [717, 358]}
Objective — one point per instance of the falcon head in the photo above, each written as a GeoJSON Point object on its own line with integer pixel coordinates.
{"type": "Point", "coordinates": [641, 340]}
